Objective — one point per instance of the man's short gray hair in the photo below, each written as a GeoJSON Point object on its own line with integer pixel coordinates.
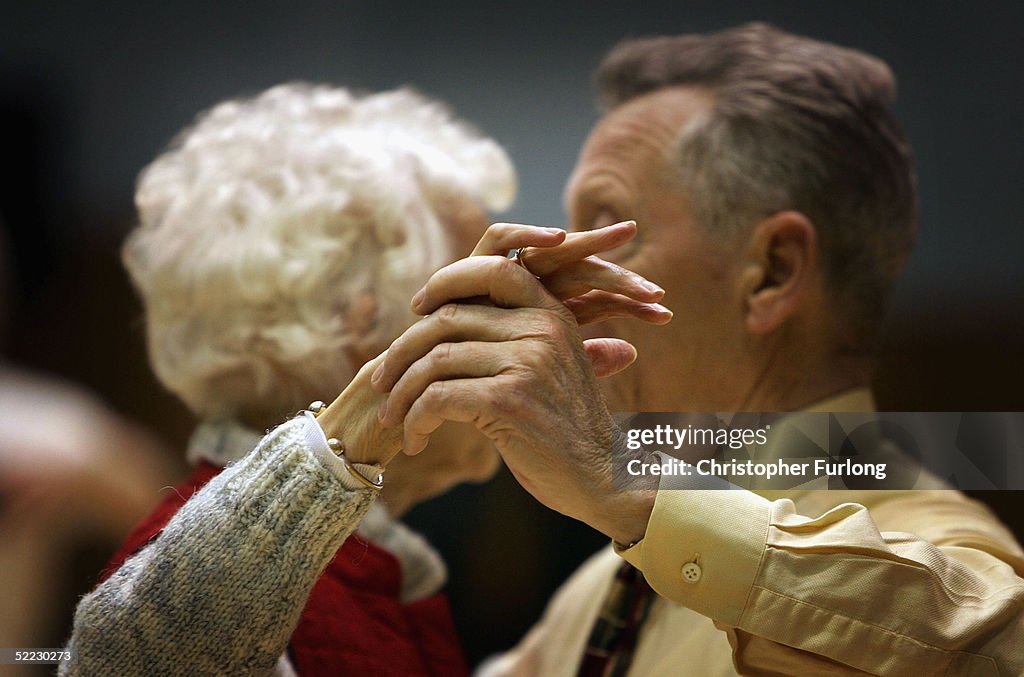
{"type": "Point", "coordinates": [282, 234]}
{"type": "Point", "coordinates": [795, 124]}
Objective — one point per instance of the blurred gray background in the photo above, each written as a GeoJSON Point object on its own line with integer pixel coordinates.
{"type": "Point", "coordinates": [91, 91]}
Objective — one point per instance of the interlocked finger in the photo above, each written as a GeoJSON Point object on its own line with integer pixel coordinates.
{"type": "Point", "coordinates": [460, 400]}
{"type": "Point", "coordinates": [451, 323]}
{"type": "Point", "coordinates": [593, 273]}
{"type": "Point", "coordinates": [446, 361]}
{"type": "Point", "coordinates": [597, 306]}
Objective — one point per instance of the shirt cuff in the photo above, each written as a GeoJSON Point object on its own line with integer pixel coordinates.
{"type": "Point", "coordinates": [703, 549]}
{"type": "Point", "coordinates": [316, 440]}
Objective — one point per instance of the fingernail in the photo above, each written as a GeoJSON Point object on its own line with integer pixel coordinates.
{"type": "Point", "coordinates": [382, 410]}
{"type": "Point", "coordinates": [418, 298]}
{"type": "Point", "coordinates": [555, 231]}
{"type": "Point", "coordinates": [651, 287]}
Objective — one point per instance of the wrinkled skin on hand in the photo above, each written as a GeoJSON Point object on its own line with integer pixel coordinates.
{"type": "Point", "coordinates": [518, 370]}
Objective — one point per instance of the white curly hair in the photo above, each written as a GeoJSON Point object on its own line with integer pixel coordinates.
{"type": "Point", "coordinates": [284, 234]}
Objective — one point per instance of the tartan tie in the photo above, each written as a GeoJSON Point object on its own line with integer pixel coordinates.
{"type": "Point", "coordinates": [614, 636]}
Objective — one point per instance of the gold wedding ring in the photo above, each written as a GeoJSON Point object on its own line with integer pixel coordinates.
{"type": "Point", "coordinates": [517, 257]}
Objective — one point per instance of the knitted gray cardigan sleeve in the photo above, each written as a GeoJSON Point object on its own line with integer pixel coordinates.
{"type": "Point", "coordinates": [221, 589]}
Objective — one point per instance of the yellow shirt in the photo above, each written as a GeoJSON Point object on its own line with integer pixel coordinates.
{"type": "Point", "coordinates": [922, 582]}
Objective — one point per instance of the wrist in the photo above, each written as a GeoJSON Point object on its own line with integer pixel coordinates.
{"type": "Point", "coordinates": [625, 516]}
{"type": "Point", "coordinates": [352, 419]}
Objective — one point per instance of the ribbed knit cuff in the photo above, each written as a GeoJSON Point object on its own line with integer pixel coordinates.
{"type": "Point", "coordinates": [293, 482]}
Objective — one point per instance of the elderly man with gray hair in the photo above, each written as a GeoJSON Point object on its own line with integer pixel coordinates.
{"type": "Point", "coordinates": [775, 200]}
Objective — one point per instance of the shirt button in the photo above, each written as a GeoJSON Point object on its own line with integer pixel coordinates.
{"type": "Point", "coordinates": [692, 572]}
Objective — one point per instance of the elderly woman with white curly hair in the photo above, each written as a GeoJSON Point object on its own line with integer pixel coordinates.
{"type": "Point", "coordinates": [280, 240]}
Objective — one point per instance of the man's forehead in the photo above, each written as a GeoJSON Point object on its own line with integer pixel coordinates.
{"type": "Point", "coordinates": [648, 125]}
{"type": "Point", "coordinates": [667, 109]}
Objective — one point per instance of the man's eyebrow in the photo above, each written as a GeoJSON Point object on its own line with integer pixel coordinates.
{"type": "Point", "coordinates": [581, 189]}
{"type": "Point", "coordinates": [579, 201]}
{"type": "Point", "coordinates": [600, 190]}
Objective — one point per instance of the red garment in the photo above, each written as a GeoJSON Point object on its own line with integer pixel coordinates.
{"type": "Point", "coordinates": [354, 621]}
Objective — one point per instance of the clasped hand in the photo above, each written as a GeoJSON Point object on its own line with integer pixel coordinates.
{"type": "Point", "coordinates": [512, 362]}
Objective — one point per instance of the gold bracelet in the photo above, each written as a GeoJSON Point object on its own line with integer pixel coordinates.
{"type": "Point", "coordinates": [338, 448]}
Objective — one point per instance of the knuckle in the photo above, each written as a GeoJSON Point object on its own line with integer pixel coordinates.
{"type": "Point", "coordinates": [442, 353]}
{"type": "Point", "coordinates": [620, 274]}
{"type": "Point", "coordinates": [435, 395]}
{"type": "Point", "coordinates": [552, 325]}
{"type": "Point", "coordinates": [536, 357]}
{"type": "Point", "coordinates": [499, 231]}
{"type": "Point", "coordinates": [505, 401]}
{"type": "Point", "coordinates": [396, 351]}
{"type": "Point", "coordinates": [503, 272]}
{"type": "Point", "coordinates": [581, 310]}
{"type": "Point", "coordinates": [446, 315]}
{"type": "Point", "coordinates": [503, 266]}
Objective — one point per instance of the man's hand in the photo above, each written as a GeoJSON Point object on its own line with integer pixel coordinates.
{"type": "Point", "coordinates": [566, 263]}
{"type": "Point", "coordinates": [519, 371]}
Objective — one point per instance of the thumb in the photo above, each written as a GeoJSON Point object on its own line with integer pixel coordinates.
{"type": "Point", "coordinates": [609, 355]}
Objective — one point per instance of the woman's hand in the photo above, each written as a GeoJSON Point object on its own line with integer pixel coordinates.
{"type": "Point", "coordinates": [352, 418]}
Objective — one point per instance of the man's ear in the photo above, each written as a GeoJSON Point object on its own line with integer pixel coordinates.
{"type": "Point", "coordinates": [782, 259]}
